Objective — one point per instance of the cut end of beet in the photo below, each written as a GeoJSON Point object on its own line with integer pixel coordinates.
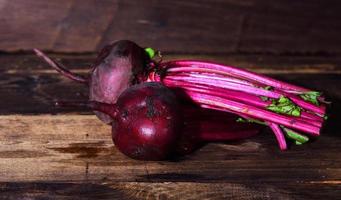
{"type": "Point", "coordinates": [118, 66]}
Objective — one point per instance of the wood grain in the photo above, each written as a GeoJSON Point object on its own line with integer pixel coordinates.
{"type": "Point", "coordinates": [147, 190]}
{"type": "Point", "coordinates": [42, 153]}
{"type": "Point", "coordinates": [195, 26]}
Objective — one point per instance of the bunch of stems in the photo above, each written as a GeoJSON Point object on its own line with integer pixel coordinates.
{"type": "Point", "coordinates": [289, 110]}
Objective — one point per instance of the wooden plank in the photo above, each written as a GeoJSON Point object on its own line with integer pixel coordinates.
{"type": "Point", "coordinates": [195, 26]}
{"type": "Point", "coordinates": [54, 25]}
{"type": "Point", "coordinates": [79, 147]}
{"type": "Point", "coordinates": [168, 190]}
{"type": "Point", "coordinates": [47, 155]}
{"type": "Point", "coordinates": [12, 63]}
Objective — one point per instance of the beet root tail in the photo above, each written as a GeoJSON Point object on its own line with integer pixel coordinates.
{"type": "Point", "coordinates": [58, 67]}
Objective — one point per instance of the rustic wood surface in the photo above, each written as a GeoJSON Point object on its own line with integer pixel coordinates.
{"type": "Point", "coordinates": [49, 153]}
{"type": "Point", "coordinates": [58, 153]}
{"type": "Point", "coordinates": [217, 26]}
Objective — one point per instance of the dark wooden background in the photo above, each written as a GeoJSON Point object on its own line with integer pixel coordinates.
{"type": "Point", "coordinates": [49, 153]}
{"type": "Point", "coordinates": [177, 26]}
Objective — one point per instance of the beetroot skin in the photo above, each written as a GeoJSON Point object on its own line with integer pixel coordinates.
{"type": "Point", "coordinates": [117, 67]}
{"type": "Point", "coordinates": [147, 120]}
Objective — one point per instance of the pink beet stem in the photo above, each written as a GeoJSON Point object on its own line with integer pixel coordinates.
{"type": "Point", "coordinates": [257, 113]}
{"type": "Point", "coordinates": [213, 76]}
{"type": "Point", "coordinates": [199, 66]}
{"type": "Point", "coordinates": [232, 83]}
{"type": "Point", "coordinates": [279, 135]}
{"type": "Point", "coordinates": [237, 96]}
{"type": "Point", "coordinates": [241, 85]}
{"type": "Point", "coordinates": [244, 88]}
{"type": "Point", "coordinates": [312, 117]}
{"type": "Point", "coordinates": [58, 67]}
{"type": "Point", "coordinates": [230, 94]}
{"type": "Point", "coordinates": [228, 85]}
{"type": "Point", "coordinates": [307, 117]}
{"type": "Point", "coordinates": [223, 110]}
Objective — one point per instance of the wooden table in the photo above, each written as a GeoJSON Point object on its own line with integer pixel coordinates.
{"type": "Point", "coordinates": [48, 153]}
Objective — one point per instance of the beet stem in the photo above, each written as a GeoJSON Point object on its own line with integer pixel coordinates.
{"type": "Point", "coordinates": [279, 135]}
{"type": "Point", "coordinates": [296, 123]}
{"type": "Point", "coordinates": [238, 97]}
{"type": "Point", "coordinates": [60, 68]}
{"type": "Point", "coordinates": [227, 85]}
{"type": "Point", "coordinates": [297, 137]}
{"type": "Point", "coordinates": [191, 65]}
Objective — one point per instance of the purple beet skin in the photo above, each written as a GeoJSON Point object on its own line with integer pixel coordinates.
{"type": "Point", "coordinates": [147, 120]}
{"type": "Point", "coordinates": [117, 67]}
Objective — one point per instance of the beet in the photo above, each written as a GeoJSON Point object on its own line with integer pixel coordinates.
{"type": "Point", "coordinates": [287, 109]}
{"type": "Point", "coordinates": [147, 120]}
{"type": "Point", "coordinates": [117, 67]}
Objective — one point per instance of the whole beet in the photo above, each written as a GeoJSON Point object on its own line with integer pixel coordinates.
{"type": "Point", "coordinates": [117, 67]}
{"type": "Point", "coordinates": [147, 120]}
